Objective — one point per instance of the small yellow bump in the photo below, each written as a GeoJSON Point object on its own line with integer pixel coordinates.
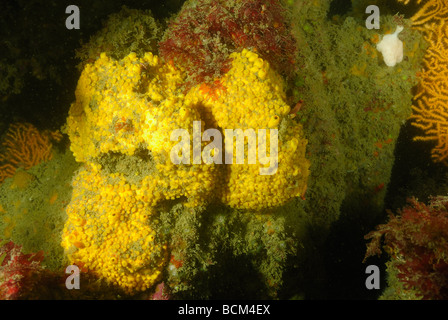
{"type": "Point", "coordinates": [274, 121]}
{"type": "Point", "coordinates": [262, 74]}
{"type": "Point", "coordinates": [258, 63]}
{"type": "Point", "coordinates": [253, 70]}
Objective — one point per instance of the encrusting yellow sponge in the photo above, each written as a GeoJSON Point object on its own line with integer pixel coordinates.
{"type": "Point", "coordinates": [252, 96]}
{"type": "Point", "coordinates": [108, 231]}
{"type": "Point", "coordinates": [126, 110]}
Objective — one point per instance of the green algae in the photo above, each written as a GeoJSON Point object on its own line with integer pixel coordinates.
{"type": "Point", "coordinates": [34, 216]}
{"type": "Point", "coordinates": [127, 31]}
{"type": "Point", "coordinates": [355, 107]}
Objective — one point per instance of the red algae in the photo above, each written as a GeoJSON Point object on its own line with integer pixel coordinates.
{"type": "Point", "coordinates": [202, 36]}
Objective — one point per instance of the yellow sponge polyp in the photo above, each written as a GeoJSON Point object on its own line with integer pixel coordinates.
{"type": "Point", "coordinates": [108, 231]}
{"type": "Point", "coordinates": [251, 96]}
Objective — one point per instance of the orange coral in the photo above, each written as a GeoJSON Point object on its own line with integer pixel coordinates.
{"type": "Point", "coordinates": [430, 112]}
{"type": "Point", "coordinates": [6, 170]}
{"type": "Point", "coordinates": [431, 11]}
{"type": "Point", "coordinates": [25, 146]}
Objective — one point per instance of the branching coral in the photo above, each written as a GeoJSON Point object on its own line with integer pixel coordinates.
{"type": "Point", "coordinates": [431, 11]}
{"type": "Point", "coordinates": [25, 146]}
{"type": "Point", "coordinates": [431, 109]}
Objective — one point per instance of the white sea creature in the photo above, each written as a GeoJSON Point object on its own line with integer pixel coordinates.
{"type": "Point", "coordinates": [392, 48]}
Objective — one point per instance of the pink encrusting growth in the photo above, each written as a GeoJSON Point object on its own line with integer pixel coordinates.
{"type": "Point", "coordinates": [162, 292]}
{"type": "Point", "coordinates": [202, 36]}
